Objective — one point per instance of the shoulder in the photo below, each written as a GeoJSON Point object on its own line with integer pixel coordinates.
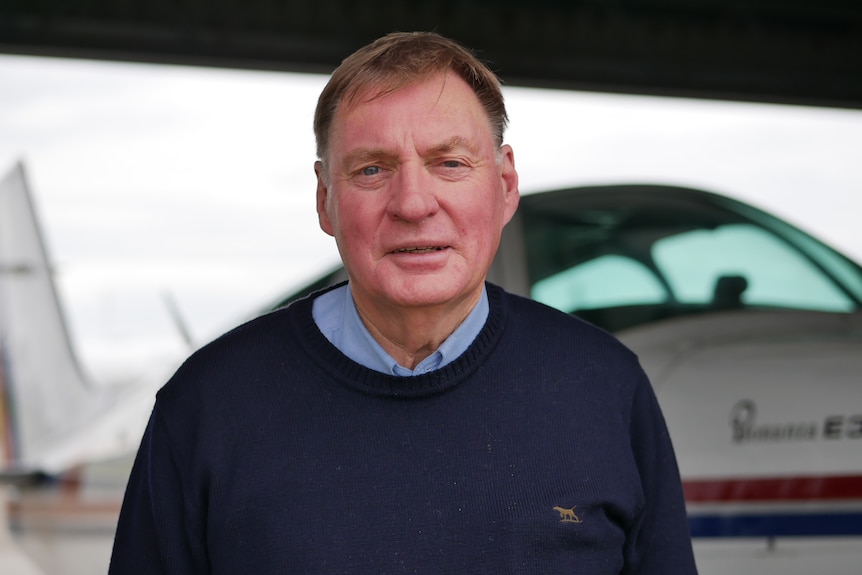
{"type": "Point", "coordinates": [260, 335]}
{"type": "Point", "coordinates": [531, 319]}
{"type": "Point", "coordinates": [566, 348]}
{"type": "Point", "coordinates": [251, 351]}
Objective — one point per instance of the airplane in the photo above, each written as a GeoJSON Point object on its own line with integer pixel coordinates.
{"type": "Point", "coordinates": [749, 328]}
{"type": "Point", "coordinates": [58, 429]}
{"type": "Point", "coordinates": [52, 416]}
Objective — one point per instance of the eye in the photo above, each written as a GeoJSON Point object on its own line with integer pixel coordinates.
{"type": "Point", "coordinates": [370, 170]}
{"type": "Point", "coordinates": [452, 169]}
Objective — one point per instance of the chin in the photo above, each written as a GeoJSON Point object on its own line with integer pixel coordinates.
{"type": "Point", "coordinates": [429, 291]}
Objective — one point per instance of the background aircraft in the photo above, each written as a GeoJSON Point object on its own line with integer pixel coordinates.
{"type": "Point", "coordinates": [66, 444]}
{"type": "Point", "coordinates": [52, 417]}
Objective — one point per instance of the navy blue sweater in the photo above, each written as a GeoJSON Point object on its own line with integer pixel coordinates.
{"type": "Point", "coordinates": [540, 450]}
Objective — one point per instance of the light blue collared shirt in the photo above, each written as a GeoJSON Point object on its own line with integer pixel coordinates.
{"type": "Point", "coordinates": [336, 317]}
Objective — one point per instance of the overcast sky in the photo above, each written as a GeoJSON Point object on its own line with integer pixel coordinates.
{"type": "Point", "coordinates": [198, 182]}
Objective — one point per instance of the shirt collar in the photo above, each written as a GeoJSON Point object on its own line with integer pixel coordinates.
{"type": "Point", "coordinates": [336, 316]}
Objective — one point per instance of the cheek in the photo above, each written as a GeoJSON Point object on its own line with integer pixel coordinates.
{"type": "Point", "coordinates": [481, 221]}
{"type": "Point", "coordinates": [356, 226]}
{"type": "Point", "coordinates": [486, 231]}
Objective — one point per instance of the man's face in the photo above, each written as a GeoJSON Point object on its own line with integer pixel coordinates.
{"type": "Point", "coordinates": [416, 194]}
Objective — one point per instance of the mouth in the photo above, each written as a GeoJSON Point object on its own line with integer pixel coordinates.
{"type": "Point", "coordinates": [419, 250]}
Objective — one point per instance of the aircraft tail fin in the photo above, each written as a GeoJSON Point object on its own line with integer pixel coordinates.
{"type": "Point", "coordinates": [43, 393]}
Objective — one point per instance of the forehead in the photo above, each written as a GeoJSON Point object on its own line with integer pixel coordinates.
{"type": "Point", "coordinates": [441, 106]}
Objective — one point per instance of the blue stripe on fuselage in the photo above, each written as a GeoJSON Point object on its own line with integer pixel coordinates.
{"type": "Point", "coordinates": [776, 524]}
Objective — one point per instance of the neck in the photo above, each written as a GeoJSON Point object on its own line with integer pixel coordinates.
{"type": "Point", "coordinates": [410, 334]}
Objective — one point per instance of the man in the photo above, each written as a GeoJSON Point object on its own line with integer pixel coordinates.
{"type": "Point", "coordinates": [415, 419]}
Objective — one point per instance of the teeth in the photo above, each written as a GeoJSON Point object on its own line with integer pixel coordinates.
{"type": "Point", "coordinates": [418, 250]}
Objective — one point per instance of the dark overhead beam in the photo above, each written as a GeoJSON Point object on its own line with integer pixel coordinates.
{"type": "Point", "coordinates": [791, 51]}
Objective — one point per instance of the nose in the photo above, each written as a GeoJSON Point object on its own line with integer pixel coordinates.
{"type": "Point", "coordinates": [412, 195]}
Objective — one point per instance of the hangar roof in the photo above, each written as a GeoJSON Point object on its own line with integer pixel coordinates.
{"type": "Point", "coordinates": [789, 51]}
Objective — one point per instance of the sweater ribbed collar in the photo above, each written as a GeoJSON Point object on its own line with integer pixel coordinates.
{"type": "Point", "coordinates": [349, 373]}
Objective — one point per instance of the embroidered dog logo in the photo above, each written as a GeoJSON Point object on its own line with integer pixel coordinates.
{"type": "Point", "coordinates": [567, 515]}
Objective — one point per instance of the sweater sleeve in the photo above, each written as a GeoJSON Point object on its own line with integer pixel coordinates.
{"type": "Point", "coordinates": [661, 542]}
{"type": "Point", "coordinates": [159, 530]}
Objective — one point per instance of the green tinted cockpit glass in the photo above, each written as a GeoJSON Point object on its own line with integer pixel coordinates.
{"type": "Point", "coordinates": [626, 255]}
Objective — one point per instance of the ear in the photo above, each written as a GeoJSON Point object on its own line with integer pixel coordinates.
{"type": "Point", "coordinates": [509, 177]}
{"type": "Point", "coordinates": [322, 197]}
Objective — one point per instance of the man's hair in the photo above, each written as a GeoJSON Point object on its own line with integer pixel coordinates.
{"type": "Point", "coordinates": [398, 60]}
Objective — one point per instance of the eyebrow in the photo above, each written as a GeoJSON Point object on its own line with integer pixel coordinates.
{"type": "Point", "coordinates": [363, 155]}
{"type": "Point", "coordinates": [455, 143]}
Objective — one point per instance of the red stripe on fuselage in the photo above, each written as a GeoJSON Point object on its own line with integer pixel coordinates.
{"type": "Point", "coordinates": [829, 488]}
